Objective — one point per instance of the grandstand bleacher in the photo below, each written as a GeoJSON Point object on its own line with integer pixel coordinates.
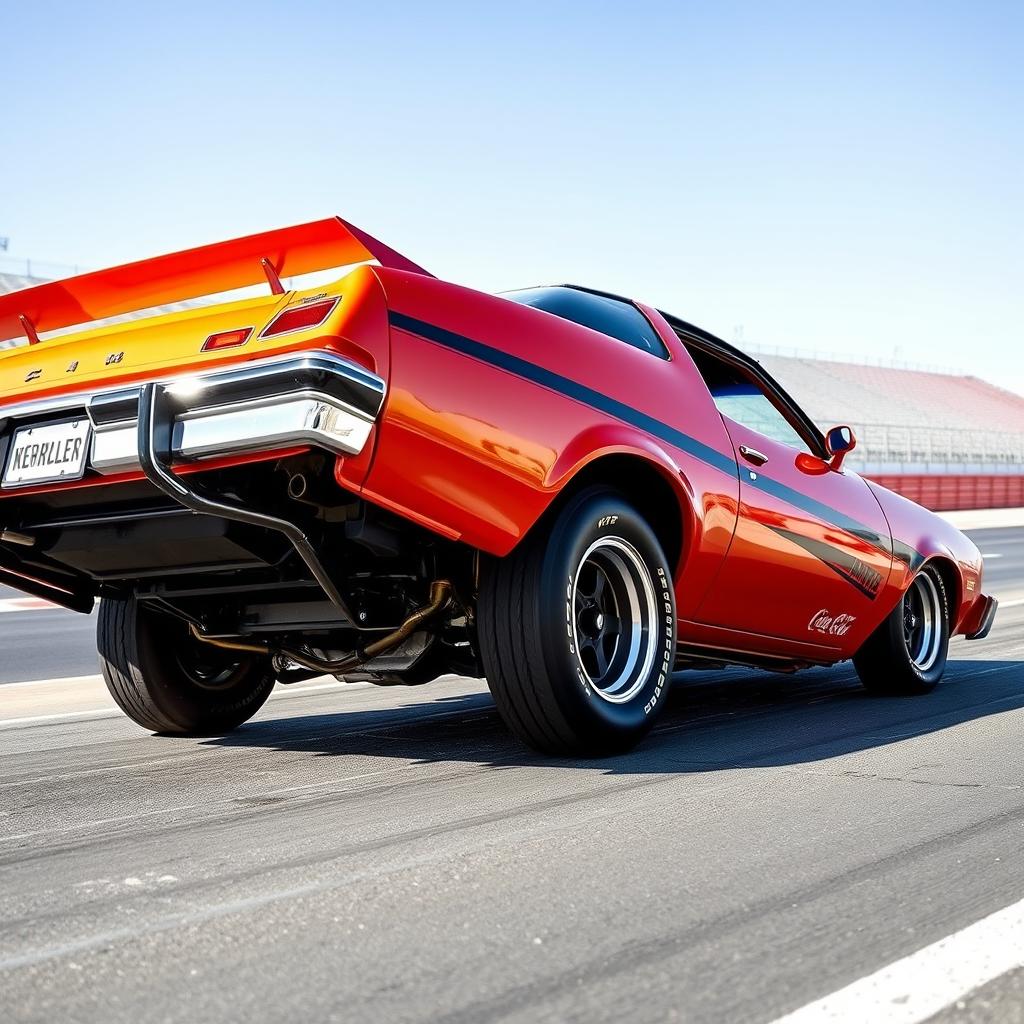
{"type": "Point", "coordinates": [12, 282]}
{"type": "Point", "coordinates": [945, 440]}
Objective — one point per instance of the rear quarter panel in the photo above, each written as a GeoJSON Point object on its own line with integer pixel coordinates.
{"type": "Point", "coordinates": [473, 449]}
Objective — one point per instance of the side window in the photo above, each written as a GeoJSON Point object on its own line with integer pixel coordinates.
{"type": "Point", "coordinates": [613, 317]}
{"type": "Point", "coordinates": [743, 399]}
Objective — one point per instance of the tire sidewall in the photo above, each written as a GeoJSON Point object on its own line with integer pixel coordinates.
{"type": "Point", "coordinates": [930, 678]}
{"type": "Point", "coordinates": [194, 708]}
{"type": "Point", "coordinates": [593, 515]}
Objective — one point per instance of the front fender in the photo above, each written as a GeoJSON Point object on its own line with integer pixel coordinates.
{"type": "Point", "coordinates": [919, 537]}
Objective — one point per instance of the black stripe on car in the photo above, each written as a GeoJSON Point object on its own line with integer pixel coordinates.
{"type": "Point", "coordinates": [656, 428]}
{"type": "Point", "coordinates": [857, 573]}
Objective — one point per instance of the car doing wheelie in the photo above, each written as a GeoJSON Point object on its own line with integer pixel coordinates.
{"type": "Point", "coordinates": [393, 477]}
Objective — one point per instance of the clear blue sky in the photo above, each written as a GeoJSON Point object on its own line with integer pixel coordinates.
{"type": "Point", "coordinates": [838, 176]}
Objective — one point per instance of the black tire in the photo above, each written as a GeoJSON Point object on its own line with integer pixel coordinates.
{"type": "Point", "coordinates": [906, 655]}
{"type": "Point", "coordinates": [546, 627]}
{"type": "Point", "coordinates": [167, 681]}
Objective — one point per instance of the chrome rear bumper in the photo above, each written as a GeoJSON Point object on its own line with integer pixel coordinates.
{"type": "Point", "coordinates": [317, 399]}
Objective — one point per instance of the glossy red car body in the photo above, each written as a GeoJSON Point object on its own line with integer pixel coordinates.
{"type": "Point", "coordinates": [494, 408]}
{"type": "Point", "coordinates": [476, 446]}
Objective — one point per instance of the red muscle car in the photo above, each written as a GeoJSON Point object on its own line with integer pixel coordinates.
{"type": "Point", "coordinates": [393, 477]}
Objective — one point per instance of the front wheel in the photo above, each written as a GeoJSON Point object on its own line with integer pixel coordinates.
{"type": "Point", "coordinates": [577, 629]}
{"type": "Point", "coordinates": [165, 680]}
{"type": "Point", "coordinates": [906, 655]}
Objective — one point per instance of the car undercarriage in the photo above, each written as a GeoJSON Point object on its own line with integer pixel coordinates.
{"type": "Point", "coordinates": [245, 583]}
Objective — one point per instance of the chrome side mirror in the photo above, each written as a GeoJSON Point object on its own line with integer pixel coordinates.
{"type": "Point", "coordinates": [839, 442]}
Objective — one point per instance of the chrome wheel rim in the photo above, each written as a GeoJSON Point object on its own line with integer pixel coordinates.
{"type": "Point", "coordinates": [922, 622]}
{"type": "Point", "coordinates": [613, 613]}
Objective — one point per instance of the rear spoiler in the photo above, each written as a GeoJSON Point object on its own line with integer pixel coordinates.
{"type": "Point", "coordinates": [208, 270]}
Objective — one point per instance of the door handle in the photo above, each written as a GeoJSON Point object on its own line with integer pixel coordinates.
{"type": "Point", "coordinates": [753, 455]}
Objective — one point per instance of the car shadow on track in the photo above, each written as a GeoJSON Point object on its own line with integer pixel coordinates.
{"type": "Point", "coordinates": [714, 721]}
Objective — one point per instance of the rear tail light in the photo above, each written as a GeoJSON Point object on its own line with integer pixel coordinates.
{"type": "Point", "coordinates": [299, 318]}
{"type": "Point", "coordinates": [227, 339]}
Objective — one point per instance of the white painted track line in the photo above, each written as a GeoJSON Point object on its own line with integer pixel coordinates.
{"type": "Point", "coordinates": [922, 984]}
{"type": "Point", "coordinates": [25, 604]}
{"type": "Point", "coordinates": [28, 604]}
{"type": "Point", "coordinates": [97, 692]}
{"type": "Point", "coordinates": [65, 716]}
{"type": "Point", "coordinates": [57, 681]}
{"type": "Point", "coordinates": [984, 518]}
{"type": "Point", "coordinates": [292, 688]}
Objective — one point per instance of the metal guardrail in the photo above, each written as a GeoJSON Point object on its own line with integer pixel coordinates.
{"type": "Point", "coordinates": [825, 355]}
{"type": "Point", "coordinates": [41, 270]}
{"type": "Point", "coordinates": [900, 448]}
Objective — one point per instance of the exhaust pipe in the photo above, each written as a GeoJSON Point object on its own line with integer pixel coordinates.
{"type": "Point", "coordinates": [440, 595]}
{"type": "Point", "coordinates": [297, 486]}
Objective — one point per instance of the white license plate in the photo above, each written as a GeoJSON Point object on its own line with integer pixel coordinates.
{"type": "Point", "coordinates": [55, 451]}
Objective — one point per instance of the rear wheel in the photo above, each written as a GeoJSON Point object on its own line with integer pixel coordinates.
{"type": "Point", "coordinates": [167, 681]}
{"type": "Point", "coordinates": [577, 629]}
{"type": "Point", "coordinates": [906, 655]}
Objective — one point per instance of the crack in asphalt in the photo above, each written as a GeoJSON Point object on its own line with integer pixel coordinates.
{"type": "Point", "coordinates": [877, 777]}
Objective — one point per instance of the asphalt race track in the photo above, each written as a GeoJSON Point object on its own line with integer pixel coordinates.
{"type": "Point", "coordinates": [367, 854]}
{"type": "Point", "coordinates": [43, 644]}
